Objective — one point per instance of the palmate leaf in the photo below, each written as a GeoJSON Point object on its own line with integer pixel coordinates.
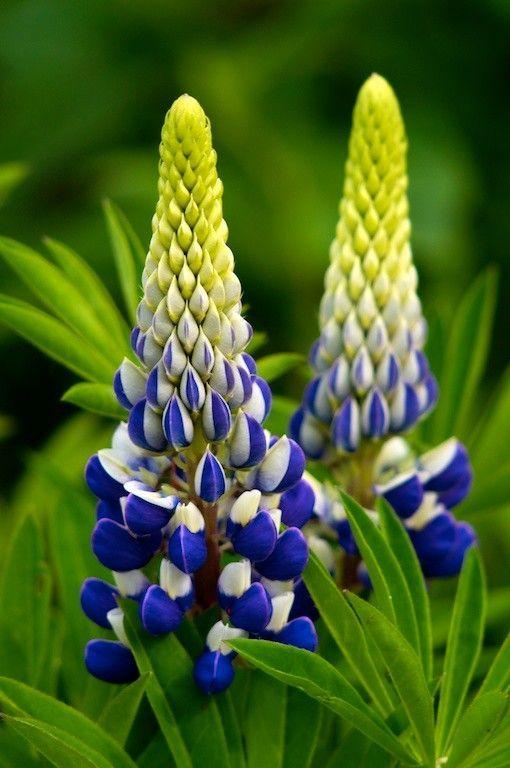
{"type": "Point", "coordinates": [59, 295]}
{"type": "Point", "coordinates": [189, 721]}
{"type": "Point", "coordinates": [22, 701]}
{"type": "Point", "coordinates": [119, 714]}
{"type": "Point", "coordinates": [406, 671]}
{"type": "Point", "coordinates": [320, 680]}
{"type": "Point", "coordinates": [271, 367]}
{"type": "Point", "coordinates": [390, 586]}
{"type": "Point", "coordinates": [463, 646]}
{"type": "Point", "coordinates": [96, 398]}
{"type": "Point", "coordinates": [346, 631]}
{"type": "Point", "coordinates": [57, 341]}
{"type": "Point", "coordinates": [465, 357]}
{"type": "Point", "coordinates": [93, 290]}
{"type": "Point", "coordinates": [127, 259]}
{"type": "Point", "coordinates": [400, 544]}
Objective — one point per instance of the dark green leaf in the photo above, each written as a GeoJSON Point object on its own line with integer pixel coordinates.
{"type": "Point", "coordinates": [127, 264]}
{"type": "Point", "coordinates": [400, 544]}
{"type": "Point", "coordinates": [406, 672]}
{"type": "Point", "coordinates": [55, 340]}
{"type": "Point", "coordinates": [390, 586]}
{"type": "Point", "coordinates": [97, 398]}
{"type": "Point", "coordinates": [463, 647]}
{"type": "Point", "coordinates": [59, 295]}
{"type": "Point", "coordinates": [23, 596]}
{"type": "Point", "coordinates": [302, 723]}
{"type": "Point", "coordinates": [257, 341]}
{"type": "Point", "coordinates": [265, 714]}
{"type": "Point", "coordinates": [93, 290]}
{"type": "Point", "coordinates": [22, 701]}
{"type": "Point", "coordinates": [119, 714]}
{"type": "Point", "coordinates": [476, 727]}
{"type": "Point", "coordinates": [271, 367]}
{"type": "Point", "coordinates": [491, 489]}
{"type": "Point", "coordinates": [346, 631]}
{"type": "Point", "coordinates": [321, 681]}
{"type": "Point", "coordinates": [465, 357]}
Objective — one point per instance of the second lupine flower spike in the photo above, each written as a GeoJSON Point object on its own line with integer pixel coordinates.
{"type": "Point", "coordinates": [193, 474]}
{"type": "Point", "coordinates": [371, 375]}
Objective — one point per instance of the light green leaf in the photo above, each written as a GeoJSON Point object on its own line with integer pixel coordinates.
{"type": "Point", "coordinates": [400, 544]}
{"type": "Point", "coordinates": [491, 489]}
{"type": "Point", "coordinates": [257, 341]}
{"type": "Point", "coordinates": [24, 584]}
{"type": "Point", "coordinates": [60, 296]}
{"type": "Point", "coordinates": [59, 747]}
{"type": "Point", "coordinates": [302, 723]}
{"type": "Point", "coordinates": [463, 647]}
{"type": "Point", "coordinates": [265, 714]}
{"type": "Point", "coordinates": [466, 355]}
{"type": "Point", "coordinates": [346, 631]}
{"type": "Point", "coordinates": [93, 290]}
{"type": "Point", "coordinates": [119, 714]}
{"type": "Point", "coordinates": [271, 367]}
{"type": "Point", "coordinates": [125, 261]}
{"type": "Point", "coordinates": [136, 244]}
{"type": "Point", "coordinates": [405, 670]}
{"type": "Point", "coordinates": [476, 726]}
{"type": "Point", "coordinates": [278, 419]}
{"type": "Point", "coordinates": [498, 676]}
{"type": "Point", "coordinates": [316, 677]}
{"type": "Point", "coordinates": [97, 398]}
{"type": "Point", "coordinates": [11, 174]}
{"type": "Point", "coordinates": [390, 586]}
{"type": "Point", "coordinates": [55, 340]}
{"type": "Point", "coordinates": [20, 700]}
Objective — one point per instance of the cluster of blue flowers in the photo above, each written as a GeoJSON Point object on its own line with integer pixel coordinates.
{"type": "Point", "coordinates": [193, 481]}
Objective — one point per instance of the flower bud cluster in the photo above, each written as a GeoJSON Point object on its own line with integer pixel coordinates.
{"type": "Point", "coordinates": [371, 374]}
{"type": "Point", "coordinates": [194, 474]}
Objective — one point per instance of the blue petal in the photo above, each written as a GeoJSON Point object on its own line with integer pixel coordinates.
{"type": "Point", "coordinates": [281, 468]}
{"type": "Point", "coordinates": [159, 613]}
{"type": "Point", "coordinates": [187, 550]}
{"type": "Point", "coordinates": [97, 597]}
{"type": "Point", "coordinates": [252, 611]}
{"type": "Point", "coordinates": [256, 540]}
{"type": "Point", "coordinates": [142, 517]}
{"type": "Point", "coordinates": [451, 563]}
{"type": "Point", "coordinates": [249, 362]}
{"type": "Point", "coordinates": [144, 427]}
{"type": "Point", "coordinates": [434, 540]}
{"type": "Point", "coordinates": [297, 504]}
{"type": "Point", "coordinates": [304, 429]}
{"type": "Point", "coordinates": [376, 417]}
{"type": "Point", "coordinates": [303, 604]}
{"type": "Point", "coordinates": [100, 482]}
{"type": "Point", "coordinates": [288, 558]}
{"type": "Point", "coordinates": [110, 509]}
{"type": "Point", "coordinates": [446, 465]}
{"type": "Point", "coordinates": [457, 492]}
{"type": "Point", "coordinates": [129, 384]}
{"type": "Point", "coordinates": [110, 661]}
{"type": "Point", "coordinates": [300, 633]}
{"type": "Point", "coordinates": [216, 417]}
{"type": "Point", "coordinates": [213, 672]}
{"type": "Point", "coordinates": [345, 428]}
{"type": "Point", "coordinates": [404, 493]}
{"type": "Point", "coordinates": [210, 479]}
{"type": "Point", "coordinates": [177, 423]}
{"type": "Point", "coordinates": [116, 548]}
{"type": "Point", "coordinates": [247, 443]}
{"type": "Point", "coordinates": [345, 536]}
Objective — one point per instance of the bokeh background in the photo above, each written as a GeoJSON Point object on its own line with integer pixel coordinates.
{"type": "Point", "coordinates": [84, 87]}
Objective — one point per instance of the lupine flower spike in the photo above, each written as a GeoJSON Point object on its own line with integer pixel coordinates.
{"type": "Point", "coordinates": [372, 378]}
{"type": "Point", "coordinates": [193, 475]}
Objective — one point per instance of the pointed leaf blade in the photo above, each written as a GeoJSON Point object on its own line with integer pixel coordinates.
{"type": "Point", "coordinates": [127, 268]}
{"type": "Point", "coordinates": [96, 398]}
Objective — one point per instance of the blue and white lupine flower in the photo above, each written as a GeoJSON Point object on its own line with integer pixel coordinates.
{"type": "Point", "coordinates": [192, 473]}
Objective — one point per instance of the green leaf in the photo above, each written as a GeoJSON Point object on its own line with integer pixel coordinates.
{"type": "Point", "coordinates": [498, 676]}
{"type": "Point", "coordinates": [465, 358]}
{"type": "Point", "coordinates": [491, 489]}
{"type": "Point", "coordinates": [302, 723]}
{"type": "Point", "coordinates": [23, 593]}
{"type": "Point", "coordinates": [265, 714]}
{"type": "Point", "coordinates": [93, 290]}
{"type": "Point", "coordinates": [390, 586]}
{"type": "Point", "coordinates": [316, 677]}
{"type": "Point", "coordinates": [271, 367]}
{"type": "Point", "coordinates": [278, 419]}
{"type": "Point", "coordinates": [476, 726]}
{"type": "Point", "coordinates": [463, 647]}
{"type": "Point", "coordinates": [400, 544]}
{"type": "Point", "coordinates": [97, 398]}
{"type": "Point", "coordinates": [59, 295]}
{"type": "Point", "coordinates": [55, 340]}
{"type": "Point", "coordinates": [20, 700]}
{"type": "Point", "coordinates": [257, 341]}
{"type": "Point", "coordinates": [125, 260]}
{"type": "Point", "coordinates": [345, 630]}
{"type": "Point", "coordinates": [59, 747]}
{"type": "Point", "coordinates": [120, 712]}
{"type": "Point", "coordinates": [405, 670]}
{"type": "Point", "coordinates": [11, 174]}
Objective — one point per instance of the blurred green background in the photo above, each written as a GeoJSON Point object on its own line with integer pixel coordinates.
{"type": "Point", "coordinates": [84, 87]}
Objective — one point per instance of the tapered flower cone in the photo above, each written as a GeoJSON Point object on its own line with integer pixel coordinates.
{"type": "Point", "coordinates": [372, 377]}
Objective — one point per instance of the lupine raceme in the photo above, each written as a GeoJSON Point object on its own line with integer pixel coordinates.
{"type": "Point", "coordinates": [372, 381]}
{"type": "Point", "coordinates": [193, 487]}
